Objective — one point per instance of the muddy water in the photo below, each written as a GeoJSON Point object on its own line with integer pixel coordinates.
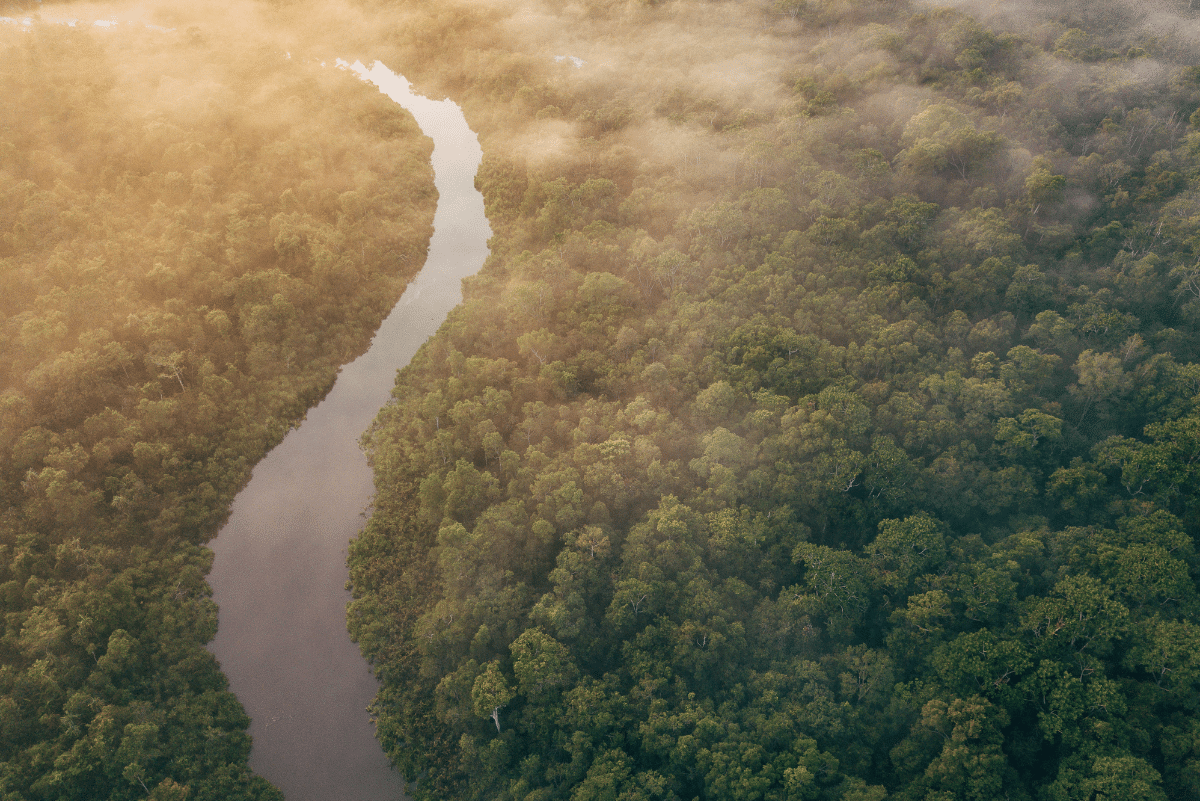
{"type": "Point", "coordinates": [280, 570]}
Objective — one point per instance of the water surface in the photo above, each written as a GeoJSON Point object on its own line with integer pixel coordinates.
{"type": "Point", "coordinates": [280, 570]}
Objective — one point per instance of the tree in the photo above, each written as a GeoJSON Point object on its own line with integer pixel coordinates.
{"type": "Point", "coordinates": [942, 138]}
{"type": "Point", "coordinates": [906, 549]}
{"type": "Point", "coordinates": [1101, 377]}
{"type": "Point", "coordinates": [839, 584]}
{"type": "Point", "coordinates": [971, 764]}
{"type": "Point", "coordinates": [491, 693]}
{"type": "Point", "coordinates": [1107, 778]}
{"type": "Point", "coordinates": [541, 664]}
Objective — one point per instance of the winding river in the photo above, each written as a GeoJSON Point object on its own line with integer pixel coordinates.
{"type": "Point", "coordinates": [280, 570]}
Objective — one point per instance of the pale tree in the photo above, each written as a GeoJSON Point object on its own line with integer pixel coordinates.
{"type": "Point", "coordinates": [491, 693]}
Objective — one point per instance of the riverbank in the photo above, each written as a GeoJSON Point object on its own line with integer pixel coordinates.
{"type": "Point", "coordinates": [179, 284]}
{"type": "Point", "coordinates": [280, 575]}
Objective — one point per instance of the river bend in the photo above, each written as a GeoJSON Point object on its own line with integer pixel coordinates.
{"type": "Point", "coordinates": [280, 570]}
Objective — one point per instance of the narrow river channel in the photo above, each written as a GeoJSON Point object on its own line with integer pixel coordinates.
{"type": "Point", "coordinates": [280, 570]}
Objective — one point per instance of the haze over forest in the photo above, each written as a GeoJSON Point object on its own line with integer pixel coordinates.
{"type": "Point", "coordinates": [823, 424]}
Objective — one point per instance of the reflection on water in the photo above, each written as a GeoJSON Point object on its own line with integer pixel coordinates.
{"type": "Point", "coordinates": [280, 570]}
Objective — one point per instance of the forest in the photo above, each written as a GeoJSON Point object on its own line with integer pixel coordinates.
{"type": "Point", "coordinates": [823, 425]}
{"type": "Point", "coordinates": [192, 240]}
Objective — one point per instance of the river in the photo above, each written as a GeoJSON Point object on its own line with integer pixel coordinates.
{"type": "Point", "coordinates": [280, 570]}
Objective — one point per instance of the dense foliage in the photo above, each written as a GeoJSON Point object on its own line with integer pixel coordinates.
{"type": "Point", "coordinates": [192, 239]}
{"type": "Point", "coordinates": [842, 443]}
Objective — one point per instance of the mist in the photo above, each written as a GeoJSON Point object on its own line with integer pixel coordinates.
{"type": "Point", "coordinates": [821, 423]}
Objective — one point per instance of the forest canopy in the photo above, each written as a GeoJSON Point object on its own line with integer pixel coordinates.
{"type": "Point", "coordinates": [823, 424]}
